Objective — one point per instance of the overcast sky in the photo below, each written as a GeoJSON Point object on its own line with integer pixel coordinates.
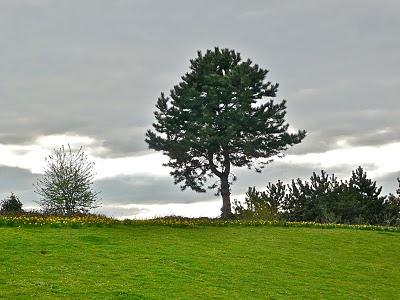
{"type": "Point", "coordinates": [89, 73]}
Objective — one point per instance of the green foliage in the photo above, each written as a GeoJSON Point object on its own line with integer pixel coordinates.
{"type": "Point", "coordinates": [326, 199]}
{"type": "Point", "coordinates": [392, 208]}
{"type": "Point", "coordinates": [391, 212]}
{"type": "Point", "coordinates": [398, 190]}
{"type": "Point", "coordinates": [65, 187]}
{"type": "Point", "coordinates": [368, 196]}
{"type": "Point", "coordinates": [11, 205]}
{"type": "Point", "coordinates": [261, 205]}
{"type": "Point", "coordinates": [220, 114]}
{"type": "Point", "coordinates": [323, 199]}
{"type": "Point", "coordinates": [91, 220]}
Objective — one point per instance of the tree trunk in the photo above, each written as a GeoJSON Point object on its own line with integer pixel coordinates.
{"type": "Point", "coordinates": [226, 212]}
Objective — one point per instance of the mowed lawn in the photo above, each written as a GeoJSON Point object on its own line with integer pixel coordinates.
{"type": "Point", "coordinates": [232, 262]}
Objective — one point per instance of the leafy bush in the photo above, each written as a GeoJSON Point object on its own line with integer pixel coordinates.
{"type": "Point", "coordinates": [323, 199]}
{"type": "Point", "coordinates": [368, 196]}
{"type": "Point", "coordinates": [11, 205]}
{"type": "Point", "coordinates": [391, 211]}
{"type": "Point", "coordinates": [261, 205]}
{"type": "Point", "coordinates": [172, 221]}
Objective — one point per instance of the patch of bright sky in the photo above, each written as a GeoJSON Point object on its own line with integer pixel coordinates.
{"type": "Point", "coordinates": [32, 157]}
{"type": "Point", "coordinates": [380, 159]}
{"type": "Point", "coordinates": [209, 209]}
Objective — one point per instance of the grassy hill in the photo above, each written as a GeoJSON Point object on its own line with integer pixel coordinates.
{"type": "Point", "coordinates": [201, 262]}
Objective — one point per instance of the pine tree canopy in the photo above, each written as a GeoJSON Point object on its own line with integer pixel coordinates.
{"type": "Point", "coordinates": [220, 114]}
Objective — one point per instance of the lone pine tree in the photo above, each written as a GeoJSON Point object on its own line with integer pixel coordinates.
{"type": "Point", "coordinates": [220, 115]}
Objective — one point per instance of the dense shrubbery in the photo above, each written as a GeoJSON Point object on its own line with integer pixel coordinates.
{"type": "Point", "coordinates": [392, 208]}
{"type": "Point", "coordinates": [323, 199]}
{"type": "Point", "coordinates": [262, 205]}
{"type": "Point", "coordinates": [89, 220]}
{"type": "Point", "coordinates": [11, 205]}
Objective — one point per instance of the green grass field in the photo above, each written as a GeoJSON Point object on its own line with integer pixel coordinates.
{"type": "Point", "coordinates": [203, 262]}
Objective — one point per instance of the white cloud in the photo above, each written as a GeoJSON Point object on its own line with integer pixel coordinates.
{"type": "Point", "coordinates": [389, 82]}
{"type": "Point", "coordinates": [146, 211]}
{"type": "Point", "coordinates": [381, 159]}
{"type": "Point", "coordinates": [149, 164]}
{"type": "Point", "coordinates": [29, 157]}
{"type": "Point", "coordinates": [32, 157]}
{"type": "Point", "coordinates": [209, 209]}
{"type": "Point", "coordinates": [75, 141]}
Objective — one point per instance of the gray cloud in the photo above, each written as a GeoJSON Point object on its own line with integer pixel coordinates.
{"type": "Point", "coordinates": [18, 181]}
{"type": "Point", "coordinates": [389, 183]}
{"type": "Point", "coordinates": [144, 189]}
{"type": "Point", "coordinates": [97, 67]}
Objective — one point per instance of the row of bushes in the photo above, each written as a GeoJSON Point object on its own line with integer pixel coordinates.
{"type": "Point", "coordinates": [89, 220]}
{"type": "Point", "coordinates": [323, 199]}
